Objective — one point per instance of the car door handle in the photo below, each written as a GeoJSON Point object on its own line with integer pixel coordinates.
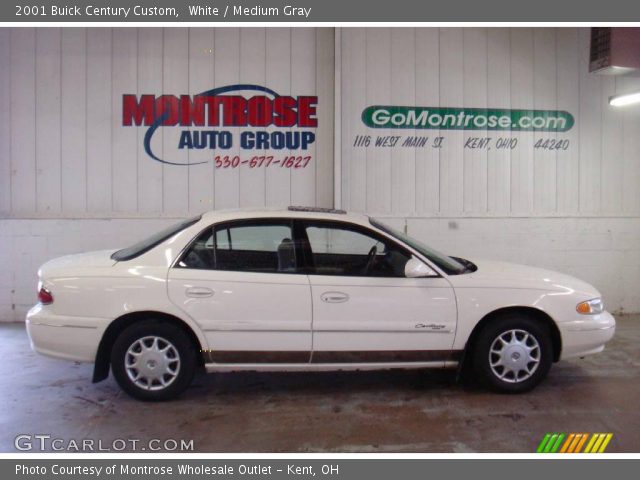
{"type": "Point", "coordinates": [198, 292]}
{"type": "Point", "coordinates": [334, 297]}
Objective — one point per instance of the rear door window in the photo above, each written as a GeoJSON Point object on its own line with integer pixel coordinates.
{"type": "Point", "coordinates": [249, 246]}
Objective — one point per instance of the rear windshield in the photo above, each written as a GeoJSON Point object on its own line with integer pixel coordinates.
{"type": "Point", "coordinates": [148, 243]}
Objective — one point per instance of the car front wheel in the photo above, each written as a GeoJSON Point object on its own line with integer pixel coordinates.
{"type": "Point", "coordinates": [153, 360]}
{"type": "Point", "coordinates": [513, 354]}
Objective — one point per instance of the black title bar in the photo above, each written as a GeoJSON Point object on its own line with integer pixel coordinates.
{"type": "Point", "coordinates": [176, 11]}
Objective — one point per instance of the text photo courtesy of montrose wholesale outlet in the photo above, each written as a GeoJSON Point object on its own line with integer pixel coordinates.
{"type": "Point", "coordinates": [368, 233]}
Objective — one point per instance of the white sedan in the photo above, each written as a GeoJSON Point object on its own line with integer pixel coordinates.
{"type": "Point", "coordinates": [305, 289]}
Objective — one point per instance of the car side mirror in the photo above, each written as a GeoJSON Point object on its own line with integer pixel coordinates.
{"type": "Point", "coordinates": [417, 269]}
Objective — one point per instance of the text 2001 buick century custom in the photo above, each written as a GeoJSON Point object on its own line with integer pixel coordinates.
{"type": "Point", "coordinates": [305, 289]}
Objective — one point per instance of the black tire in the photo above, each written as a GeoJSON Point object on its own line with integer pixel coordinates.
{"type": "Point", "coordinates": [182, 370]}
{"type": "Point", "coordinates": [510, 326]}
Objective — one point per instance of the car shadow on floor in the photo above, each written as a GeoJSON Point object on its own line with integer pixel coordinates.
{"type": "Point", "coordinates": [320, 383]}
{"type": "Point", "coordinates": [239, 384]}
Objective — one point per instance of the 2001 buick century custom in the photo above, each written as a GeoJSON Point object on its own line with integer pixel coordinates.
{"type": "Point", "coordinates": [305, 289]}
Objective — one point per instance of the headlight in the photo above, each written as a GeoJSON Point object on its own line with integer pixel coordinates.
{"type": "Point", "coordinates": [590, 307]}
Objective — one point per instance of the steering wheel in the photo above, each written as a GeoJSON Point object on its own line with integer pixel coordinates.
{"type": "Point", "coordinates": [371, 258]}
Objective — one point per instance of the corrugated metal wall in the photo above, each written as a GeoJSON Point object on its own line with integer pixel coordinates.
{"type": "Point", "coordinates": [522, 68]}
{"type": "Point", "coordinates": [65, 153]}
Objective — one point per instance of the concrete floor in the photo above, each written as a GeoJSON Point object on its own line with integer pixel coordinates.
{"type": "Point", "coordinates": [337, 412]}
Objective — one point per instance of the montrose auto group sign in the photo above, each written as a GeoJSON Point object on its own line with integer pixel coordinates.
{"type": "Point", "coordinates": [251, 118]}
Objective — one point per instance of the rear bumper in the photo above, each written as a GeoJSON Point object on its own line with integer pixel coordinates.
{"type": "Point", "coordinates": [68, 338]}
{"type": "Point", "coordinates": [587, 335]}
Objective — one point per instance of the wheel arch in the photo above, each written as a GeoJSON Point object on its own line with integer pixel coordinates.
{"type": "Point", "coordinates": [531, 312]}
{"type": "Point", "coordinates": [102, 361]}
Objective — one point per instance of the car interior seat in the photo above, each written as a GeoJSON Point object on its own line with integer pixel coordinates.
{"type": "Point", "coordinates": [286, 256]}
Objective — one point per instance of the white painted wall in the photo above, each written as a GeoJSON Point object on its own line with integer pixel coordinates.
{"type": "Point", "coordinates": [542, 68]}
{"type": "Point", "coordinates": [27, 243]}
{"type": "Point", "coordinates": [577, 211]}
{"type": "Point", "coordinates": [72, 179]}
{"type": "Point", "coordinates": [65, 151]}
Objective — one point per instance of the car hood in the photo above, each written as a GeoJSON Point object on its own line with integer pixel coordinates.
{"type": "Point", "coordinates": [494, 274]}
{"type": "Point", "coordinates": [71, 264]}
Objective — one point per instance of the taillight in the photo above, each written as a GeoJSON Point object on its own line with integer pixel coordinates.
{"type": "Point", "coordinates": [44, 296]}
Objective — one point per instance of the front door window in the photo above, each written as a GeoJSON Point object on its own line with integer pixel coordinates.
{"type": "Point", "coordinates": [350, 251]}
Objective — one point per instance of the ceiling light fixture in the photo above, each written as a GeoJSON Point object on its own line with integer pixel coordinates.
{"type": "Point", "coordinates": [624, 99]}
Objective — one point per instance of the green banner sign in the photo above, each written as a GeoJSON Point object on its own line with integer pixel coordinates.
{"type": "Point", "coordinates": [378, 116]}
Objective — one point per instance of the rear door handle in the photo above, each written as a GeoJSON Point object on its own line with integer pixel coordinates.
{"type": "Point", "coordinates": [334, 297]}
{"type": "Point", "coordinates": [198, 292]}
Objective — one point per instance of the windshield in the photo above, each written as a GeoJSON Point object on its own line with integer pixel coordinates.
{"type": "Point", "coordinates": [155, 239]}
{"type": "Point", "coordinates": [450, 265]}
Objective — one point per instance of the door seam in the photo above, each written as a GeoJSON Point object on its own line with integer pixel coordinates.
{"type": "Point", "coordinates": [313, 333]}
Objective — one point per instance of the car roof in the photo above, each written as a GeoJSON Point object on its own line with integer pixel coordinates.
{"type": "Point", "coordinates": [288, 212]}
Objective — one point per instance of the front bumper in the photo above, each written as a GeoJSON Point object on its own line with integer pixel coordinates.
{"type": "Point", "coordinates": [586, 335]}
{"type": "Point", "coordinates": [69, 338]}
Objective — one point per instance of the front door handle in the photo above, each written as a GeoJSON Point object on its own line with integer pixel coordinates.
{"type": "Point", "coordinates": [334, 297]}
{"type": "Point", "coordinates": [198, 292]}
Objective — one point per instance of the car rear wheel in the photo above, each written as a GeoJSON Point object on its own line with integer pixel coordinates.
{"type": "Point", "coordinates": [153, 360]}
{"type": "Point", "coordinates": [513, 354]}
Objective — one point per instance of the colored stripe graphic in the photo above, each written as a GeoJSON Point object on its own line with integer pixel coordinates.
{"type": "Point", "coordinates": [576, 439]}
{"type": "Point", "coordinates": [543, 443]}
{"type": "Point", "coordinates": [550, 443]}
{"type": "Point", "coordinates": [556, 445]}
{"type": "Point", "coordinates": [581, 442]}
{"type": "Point", "coordinates": [565, 447]}
{"type": "Point", "coordinates": [605, 443]}
{"type": "Point", "coordinates": [591, 443]}
{"type": "Point", "coordinates": [574, 446]}
{"type": "Point", "coordinates": [598, 443]}
{"type": "Point", "coordinates": [574, 442]}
